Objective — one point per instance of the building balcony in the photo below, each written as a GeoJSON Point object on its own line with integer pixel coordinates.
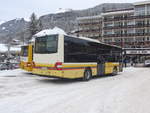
{"type": "Point", "coordinates": [118, 27]}
{"type": "Point", "coordinates": [126, 35]}
{"type": "Point", "coordinates": [91, 30]}
{"type": "Point", "coordinates": [126, 26]}
{"type": "Point", "coordinates": [89, 23]}
{"type": "Point", "coordinates": [126, 18]}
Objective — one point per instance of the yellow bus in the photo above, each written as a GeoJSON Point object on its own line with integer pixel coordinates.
{"type": "Point", "coordinates": [26, 57]}
{"type": "Point", "coordinates": [64, 56]}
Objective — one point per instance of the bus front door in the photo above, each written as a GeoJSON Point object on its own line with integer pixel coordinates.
{"type": "Point", "coordinates": [100, 69]}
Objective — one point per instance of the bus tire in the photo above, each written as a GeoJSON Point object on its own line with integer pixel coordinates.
{"type": "Point", "coordinates": [87, 75]}
{"type": "Point", "coordinates": [115, 71]}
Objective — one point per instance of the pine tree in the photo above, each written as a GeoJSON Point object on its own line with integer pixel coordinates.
{"type": "Point", "coordinates": [40, 25]}
{"type": "Point", "coordinates": [33, 25]}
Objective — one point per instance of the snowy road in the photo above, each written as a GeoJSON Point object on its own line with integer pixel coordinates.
{"type": "Point", "coordinates": [128, 92]}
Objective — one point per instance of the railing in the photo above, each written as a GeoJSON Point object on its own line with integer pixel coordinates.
{"type": "Point", "coordinates": [126, 18]}
{"type": "Point", "coordinates": [89, 23]}
{"type": "Point", "coordinates": [126, 26]}
{"type": "Point", "coordinates": [91, 30]}
{"type": "Point", "coordinates": [127, 35]}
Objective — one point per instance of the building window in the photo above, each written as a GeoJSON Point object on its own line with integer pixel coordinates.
{"type": "Point", "coordinates": [108, 18]}
{"type": "Point", "coordinates": [140, 10]}
{"type": "Point", "coordinates": [118, 24]}
{"type": "Point", "coordinates": [140, 23]}
{"type": "Point", "coordinates": [130, 22]}
{"type": "Point", "coordinates": [130, 31]}
{"type": "Point", "coordinates": [118, 32]}
{"type": "Point", "coordinates": [107, 40]}
{"type": "Point", "coordinates": [148, 31]}
{"type": "Point", "coordinates": [118, 17]}
{"type": "Point", "coordinates": [148, 9]}
{"type": "Point", "coordinates": [140, 39]}
{"type": "Point", "coordinates": [117, 40]}
{"type": "Point", "coordinates": [108, 24]}
{"type": "Point", "coordinates": [108, 32]}
{"type": "Point", "coordinates": [140, 31]}
{"type": "Point", "coordinates": [129, 39]}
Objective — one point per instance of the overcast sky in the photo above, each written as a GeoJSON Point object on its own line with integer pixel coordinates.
{"type": "Point", "coordinates": [10, 9]}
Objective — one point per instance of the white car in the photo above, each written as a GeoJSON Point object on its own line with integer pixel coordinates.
{"type": "Point", "coordinates": [147, 63]}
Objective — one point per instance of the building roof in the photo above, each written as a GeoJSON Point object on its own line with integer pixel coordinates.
{"type": "Point", "coordinates": [142, 2]}
{"type": "Point", "coordinates": [4, 48]}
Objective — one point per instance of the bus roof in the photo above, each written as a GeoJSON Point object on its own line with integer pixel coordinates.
{"type": "Point", "coordinates": [53, 31]}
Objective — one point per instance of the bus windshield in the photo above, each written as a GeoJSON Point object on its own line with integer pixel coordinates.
{"type": "Point", "coordinates": [46, 44]}
{"type": "Point", "coordinates": [24, 51]}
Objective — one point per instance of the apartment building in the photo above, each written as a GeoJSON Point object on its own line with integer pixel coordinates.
{"type": "Point", "coordinates": [128, 28]}
{"type": "Point", "coordinates": [90, 26]}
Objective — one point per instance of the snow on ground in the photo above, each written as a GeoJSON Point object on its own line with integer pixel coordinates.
{"type": "Point", "coordinates": [129, 92]}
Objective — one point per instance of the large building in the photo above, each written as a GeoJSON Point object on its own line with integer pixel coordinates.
{"type": "Point", "coordinates": [90, 26]}
{"type": "Point", "coordinates": [128, 28]}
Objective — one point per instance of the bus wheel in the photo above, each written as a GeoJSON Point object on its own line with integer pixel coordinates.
{"type": "Point", "coordinates": [87, 75]}
{"type": "Point", "coordinates": [115, 71]}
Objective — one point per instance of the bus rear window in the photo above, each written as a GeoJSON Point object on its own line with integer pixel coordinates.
{"type": "Point", "coordinates": [46, 44]}
{"type": "Point", "coordinates": [24, 51]}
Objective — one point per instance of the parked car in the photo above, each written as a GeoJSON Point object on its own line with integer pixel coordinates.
{"type": "Point", "coordinates": [147, 63]}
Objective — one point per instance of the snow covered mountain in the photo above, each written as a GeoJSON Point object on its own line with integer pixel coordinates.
{"type": "Point", "coordinates": [12, 27]}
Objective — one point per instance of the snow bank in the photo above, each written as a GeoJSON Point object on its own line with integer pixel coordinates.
{"type": "Point", "coordinates": [45, 32]}
{"type": "Point", "coordinates": [10, 72]}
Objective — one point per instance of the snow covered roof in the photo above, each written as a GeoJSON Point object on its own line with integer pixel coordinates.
{"type": "Point", "coordinates": [1, 22]}
{"type": "Point", "coordinates": [4, 48]}
{"type": "Point", "coordinates": [142, 2]}
{"type": "Point", "coordinates": [60, 10]}
{"type": "Point", "coordinates": [17, 48]}
{"type": "Point", "coordinates": [53, 31]}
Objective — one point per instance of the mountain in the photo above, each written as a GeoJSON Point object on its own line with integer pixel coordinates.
{"type": "Point", "coordinates": [10, 28]}
{"type": "Point", "coordinates": [63, 19]}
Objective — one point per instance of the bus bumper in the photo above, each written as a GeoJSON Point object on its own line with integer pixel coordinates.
{"type": "Point", "coordinates": [24, 66]}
